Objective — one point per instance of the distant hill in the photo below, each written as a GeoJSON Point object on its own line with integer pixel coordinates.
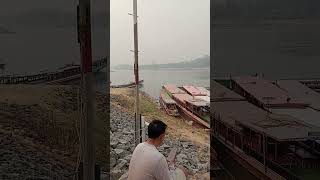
{"type": "Point", "coordinates": [201, 62]}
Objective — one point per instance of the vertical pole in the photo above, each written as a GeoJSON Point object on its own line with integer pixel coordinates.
{"type": "Point", "coordinates": [88, 145]}
{"type": "Point", "coordinates": [264, 152]}
{"type": "Point", "coordinates": [136, 73]}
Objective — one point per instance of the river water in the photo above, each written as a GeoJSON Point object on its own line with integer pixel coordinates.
{"type": "Point", "coordinates": [154, 79]}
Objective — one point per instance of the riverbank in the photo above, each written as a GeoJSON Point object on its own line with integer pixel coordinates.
{"type": "Point", "coordinates": [39, 131]}
{"type": "Point", "coordinates": [192, 143]}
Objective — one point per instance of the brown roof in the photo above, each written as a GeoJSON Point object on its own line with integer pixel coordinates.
{"type": "Point", "coordinates": [221, 93]}
{"type": "Point", "coordinates": [182, 97]}
{"type": "Point", "coordinates": [194, 91]}
{"type": "Point", "coordinates": [279, 127]}
{"type": "Point", "coordinates": [300, 91]}
{"type": "Point", "coordinates": [173, 89]}
{"type": "Point", "coordinates": [268, 93]}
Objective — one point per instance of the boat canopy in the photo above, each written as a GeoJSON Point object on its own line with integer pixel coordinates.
{"type": "Point", "coordinates": [173, 89]}
{"type": "Point", "coordinates": [280, 127]}
{"type": "Point", "coordinates": [182, 98]}
{"type": "Point", "coordinates": [198, 102]}
{"type": "Point", "coordinates": [204, 91]}
{"type": "Point", "coordinates": [194, 91]}
{"type": "Point", "coordinates": [166, 98]}
{"type": "Point", "coordinates": [301, 92]}
{"type": "Point", "coordinates": [268, 93]}
{"type": "Point", "coordinates": [221, 93]}
{"type": "Point", "coordinates": [203, 98]}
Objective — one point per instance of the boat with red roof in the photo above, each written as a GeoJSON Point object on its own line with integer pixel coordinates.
{"type": "Point", "coordinates": [192, 103]}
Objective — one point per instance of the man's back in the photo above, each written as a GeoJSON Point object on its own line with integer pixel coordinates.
{"type": "Point", "coordinates": [147, 163]}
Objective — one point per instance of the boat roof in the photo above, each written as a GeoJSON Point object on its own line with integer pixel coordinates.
{"type": "Point", "coordinates": [302, 92]}
{"type": "Point", "coordinates": [221, 93]}
{"type": "Point", "coordinates": [166, 98]}
{"type": "Point", "coordinates": [203, 98]}
{"type": "Point", "coordinates": [173, 89]}
{"type": "Point", "coordinates": [182, 97]}
{"type": "Point", "coordinates": [198, 102]}
{"type": "Point", "coordinates": [194, 91]}
{"type": "Point", "coordinates": [268, 93]}
{"type": "Point", "coordinates": [308, 115]}
{"type": "Point", "coordinates": [279, 127]}
{"type": "Point", "coordinates": [203, 90]}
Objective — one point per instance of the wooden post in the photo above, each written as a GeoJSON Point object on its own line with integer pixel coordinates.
{"type": "Point", "coordinates": [87, 138]}
{"type": "Point", "coordinates": [136, 73]}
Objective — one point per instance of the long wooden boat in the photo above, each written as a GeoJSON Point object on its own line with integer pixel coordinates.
{"type": "Point", "coordinates": [168, 104]}
{"type": "Point", "coordinates": [185, 105]}
{"type": "Point", "coordinates": [128, 85]}
{"type": "Point", "coordinates": [190, 107]}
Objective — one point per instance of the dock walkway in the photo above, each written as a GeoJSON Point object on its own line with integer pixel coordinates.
{"type": "Point", "coordinates": [58, 76]}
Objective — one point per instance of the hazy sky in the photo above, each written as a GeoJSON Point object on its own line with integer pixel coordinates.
{"type": "Point", "coordinates": [169, 30]}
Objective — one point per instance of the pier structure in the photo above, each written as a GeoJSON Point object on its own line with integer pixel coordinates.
{"type": "Point", "coordinates": [67, 73]}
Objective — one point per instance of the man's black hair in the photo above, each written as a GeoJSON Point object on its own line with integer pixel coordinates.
{"type": "Point", "coordinates": [156, 128]}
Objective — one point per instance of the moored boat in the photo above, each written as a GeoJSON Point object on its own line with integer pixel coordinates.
{"type": "Point", "coordinates": [168, 104]}
{"type": "Point", "coordinates": [190, 107]}
{"type": "Point", "coordinates": [129, 85]}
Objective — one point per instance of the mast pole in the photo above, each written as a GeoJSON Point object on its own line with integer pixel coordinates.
{"type": "Point", "coordinates": [136, 73]}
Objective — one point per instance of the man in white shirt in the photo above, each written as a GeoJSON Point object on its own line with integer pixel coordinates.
{"type": "Point", "coordinates": [147, 163]}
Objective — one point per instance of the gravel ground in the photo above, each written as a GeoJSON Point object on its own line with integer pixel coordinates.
{"type": "Point", "coordinates": [21, 159]}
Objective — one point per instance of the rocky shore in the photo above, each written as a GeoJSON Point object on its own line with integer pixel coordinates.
{"type": "Point", "coordinates": [39, 134]}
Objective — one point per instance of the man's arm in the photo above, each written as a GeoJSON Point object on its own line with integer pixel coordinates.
{"type": "Point", "coordinates": [162, 171]}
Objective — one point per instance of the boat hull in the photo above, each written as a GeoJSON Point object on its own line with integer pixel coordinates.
{"type": "Point", "coordinates": [189, 115]}
{"type": "Point", "coordinates": [174, 113]}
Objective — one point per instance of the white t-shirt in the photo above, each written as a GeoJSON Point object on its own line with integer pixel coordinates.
{"type": "Point", "coordinates": [147, 163]}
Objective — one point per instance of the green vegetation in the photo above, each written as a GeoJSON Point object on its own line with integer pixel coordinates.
{"type": "Point", "coordinates": [148, 107]}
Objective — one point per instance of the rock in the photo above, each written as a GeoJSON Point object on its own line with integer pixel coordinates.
{"type": "Point", "coordinates": [190, 123]}
{"type": "Point", "coordinates": [165, 146]}
{"type": "Point", "coordinates": [128, 158]}
{"type": "Point", "coordinates": [181, 157]}
{"type": "Point", "coordinates": [124, 176]}
{"type": "Point", "coordinates": [185, 144]}
{"type": "Point", "coordinates": [119, 152]}
{"type": "Point", "coordinates": [113, 162]}
{"type": "Point", "coordinates": [121, 164]}
{"type": "Point", "coordinates": [113, 144]}
{"type": "Point", "coordinates": [116, 174]}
